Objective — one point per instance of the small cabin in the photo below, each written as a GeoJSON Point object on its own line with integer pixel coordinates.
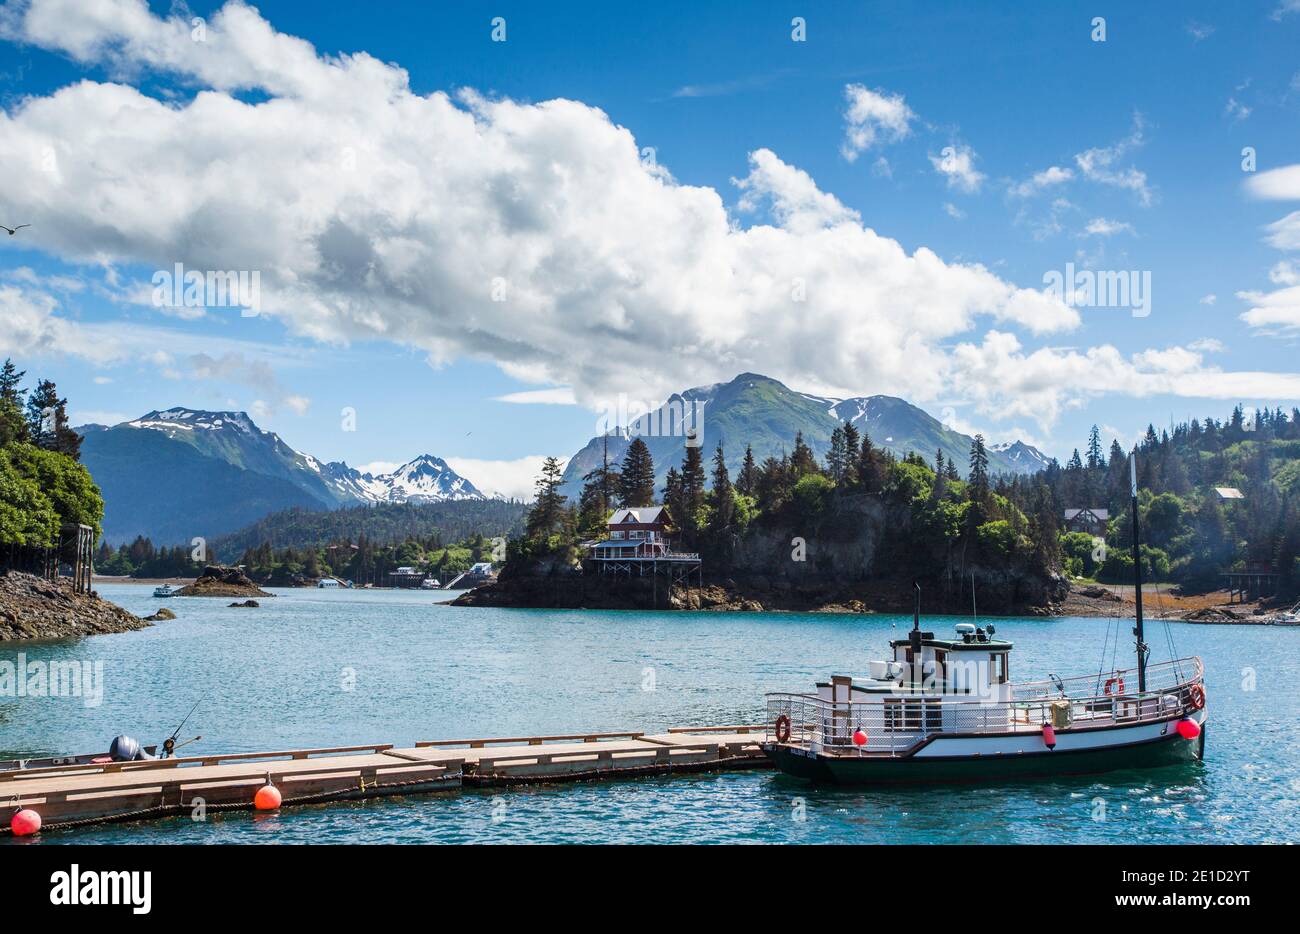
{"type": "Point", "coordinates": [634, 533]}
{"type": "Point", "coordinates": [328, 582]}
{"type": "Point", "coordinates": [1088, 521]}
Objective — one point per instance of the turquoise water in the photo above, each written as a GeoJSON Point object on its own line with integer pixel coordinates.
{"type": "Point", "coordinates": [326, 668]}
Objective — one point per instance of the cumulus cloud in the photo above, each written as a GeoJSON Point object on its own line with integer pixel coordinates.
{"type": "Point", "coordinates": [956, 163]}
{"type": "Point", "coordinates": [532, 235]}
{"type": "Point", "coordinates": [1039, 384]}
{"type": "Point", "coordinates": [873, 117]}
{"type": "Point", "coordinates": [32, 328]}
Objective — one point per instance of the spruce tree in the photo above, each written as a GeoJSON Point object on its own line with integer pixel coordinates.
{"type": "Point", "coordinates": [747, 481]}
{"type": "Point", "coordinates": [636, 485]}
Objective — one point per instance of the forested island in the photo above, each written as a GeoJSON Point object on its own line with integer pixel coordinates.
{"type": "Point", "coordinates": [857, 528]}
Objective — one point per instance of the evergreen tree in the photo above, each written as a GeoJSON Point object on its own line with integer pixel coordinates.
{"type": "Point", "coordinates": [692, 491]}
{"type": "Point", "coordinates": [837, 457]}
{"type": "Point", "coordinates": [747, 481]}
{"type": "Point", "coordinates": [1095, 459]}
{"type": "Point", "coordinates": [978, 489]}
{"type": "Point", "coordinates": [13, 427]}
{"type": "Point", "coordinates": [852, 453]}
{"type": "Point", "coordinates": [724, 503]}
{"type": "Point", "coordinates": [803, 462]}
{"type": "Point", "coordinates": [636, 485]}
{"type": "Point", "coordinates": [547, 515]}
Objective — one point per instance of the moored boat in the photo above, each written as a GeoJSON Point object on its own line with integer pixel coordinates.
{"type": "Point", "coordinates": [1290, 617]}
{"type": "Point", "coordinates": [946, 710]}
{"type": "Point", "coordinates": [163, 590]}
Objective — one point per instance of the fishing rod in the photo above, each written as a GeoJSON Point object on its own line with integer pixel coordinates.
{"type": "Point", "coordinates": [169, 744]}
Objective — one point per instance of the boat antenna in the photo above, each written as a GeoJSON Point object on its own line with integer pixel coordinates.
{"type": "Point", "coordinates": [916, 614]}
{"type": "Point", "coordinates": [974, 614]}
{"type": "Point", "coordinates": [1137, 577]}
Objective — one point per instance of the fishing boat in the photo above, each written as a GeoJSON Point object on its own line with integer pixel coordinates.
{"type": "Point", "coordinates": [49, 762]}
{"type": "Point", "coordinates": [1290, 617]}
{"type": "Point", "coordinates": [431, 583]}
{"type": "Point", "coordinates": [163, 590]}
{"type": "Point", "coordinates": [945, 709]}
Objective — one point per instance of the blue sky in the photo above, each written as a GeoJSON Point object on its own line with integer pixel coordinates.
{"type": "Point", "coordinates": [619, 285]}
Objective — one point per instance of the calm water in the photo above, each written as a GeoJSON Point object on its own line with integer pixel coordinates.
{"type": "Point", "coordinates": [277, 677]}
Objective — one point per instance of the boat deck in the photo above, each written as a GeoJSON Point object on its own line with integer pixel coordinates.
{"type": "Point", "coordinates": [67, 796]}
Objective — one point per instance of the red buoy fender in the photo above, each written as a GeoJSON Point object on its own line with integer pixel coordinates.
{"type": "Point", "coordinates": [1196, 697]}
{"type": "Point", "coordinates": [1189, 729]}
{"type": "Point", "coordinates": [1049, 736]}
{"type": "Point", "coordinates": [25, 822]}
{"type": "Point", "coordinates": [267, 798]}
{"type": "Point", "coordinates": [783, 729]}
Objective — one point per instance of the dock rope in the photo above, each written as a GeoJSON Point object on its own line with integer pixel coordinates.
{"type": "Point", "coordinates": [180, 807]}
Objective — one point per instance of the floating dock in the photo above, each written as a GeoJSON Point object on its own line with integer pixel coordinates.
{"type": "Point", "coordinates": [68, 796]}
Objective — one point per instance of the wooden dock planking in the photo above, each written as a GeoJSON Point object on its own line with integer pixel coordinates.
{"type": "Point", "coordinates": [90, 793]}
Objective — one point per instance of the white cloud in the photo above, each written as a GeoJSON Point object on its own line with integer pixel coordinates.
{"type": "Point", "coordinates": [379, 467]}
{"type": "Point", "coordinates": [1005, 379]}
{"type": "Point", "coordinates": [1100, 164]}
{"type": "Point", "coordinates": [375, 213]}
{"type": "Point", "coordinates": [956, 163]}
{"type": "Point", "coordinates": [1101, 227]}
{"type": "Point", "coordinates": [953, 211]}
{"type": "Point", "coordinates": [558, 395]}
{"type": "Point", "coordinates": [1209, 299]}
{"type": "Point", "coordinates": [32, 328]}
{"type": "Point", "coordinates": [1284, 233]}
{"type": "Point", "coordinates": [79, 417]}
{"type": "Point", "coordinates": [1280, 184]}
{"type": "Point", "coordinates": [1039, 181]}
{"type": "Point", "coordinates": [873, 117]}
{"type": "Point", "coordinates": [1273, 312]}
{"type": "Point", "coordinates": [510, 478]}
{"type": "Point", "coordinates": [1199, 31]}
{"type": "Point", "coordinates": [1235, 110]}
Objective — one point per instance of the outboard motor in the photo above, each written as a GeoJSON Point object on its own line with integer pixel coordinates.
{"type": "Point", "coordinates": [126, 749]}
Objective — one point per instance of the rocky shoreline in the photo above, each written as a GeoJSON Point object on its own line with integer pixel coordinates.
{"type": "Point", "coordinates": [590, 592]}
{"type": "Point", "coordinates": [577, 591]}
{"type": "Point", "coordinates": [33, 608]}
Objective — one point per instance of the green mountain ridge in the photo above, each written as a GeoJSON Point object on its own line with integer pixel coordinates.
{"type": "Point", "coordinates": [764, 413]}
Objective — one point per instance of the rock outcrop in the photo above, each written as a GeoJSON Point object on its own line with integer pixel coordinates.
{"type": "Point", "coordinates": [32, 607]}
{"type": "Point", "coordinates": [219, 581]}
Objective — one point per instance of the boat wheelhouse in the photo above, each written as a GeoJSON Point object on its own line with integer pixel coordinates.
{"type": "Point", "coordinates": [163, 590]}
{"type": "Point", "coordinates": [946, 709]}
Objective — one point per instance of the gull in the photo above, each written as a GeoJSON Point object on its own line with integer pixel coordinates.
{"type": "Point", "coordinates": [14, 230]}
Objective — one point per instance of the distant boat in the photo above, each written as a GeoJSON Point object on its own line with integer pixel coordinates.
{"type": "Point", "coordinates": [1290, 618]}
{"type": "Point", "coordinates": [164, 591]}
{"type": "Point", "coordinates": [431, 583]}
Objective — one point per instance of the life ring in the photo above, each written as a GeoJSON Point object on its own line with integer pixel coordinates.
{"type": "Point", "coordinates": [783, 729]}
{"type": "Point", "coordinates": [1114, 683]}
{"type": "Point", "coordinates": [1196, 697]}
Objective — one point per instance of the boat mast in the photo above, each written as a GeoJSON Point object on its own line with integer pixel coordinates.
{"type": "Point", "coordinates": [1137, 575]}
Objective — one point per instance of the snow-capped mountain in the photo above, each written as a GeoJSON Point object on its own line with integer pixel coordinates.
{"type": "Point", "coordinates": [426, 479]}
{"type": "Point", "coordinates": [177, 473]}
{"type": "Point", "coordinates": [1024, 457]}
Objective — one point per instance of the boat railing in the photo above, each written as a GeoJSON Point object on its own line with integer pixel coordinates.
{"type": "Point", "coordinates": [895, 724]}
{"type": "Point", "coordinates": [1159, 676]}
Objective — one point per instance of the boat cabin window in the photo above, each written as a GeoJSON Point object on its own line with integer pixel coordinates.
{"type": "Point", "coordinates": [908, 715]}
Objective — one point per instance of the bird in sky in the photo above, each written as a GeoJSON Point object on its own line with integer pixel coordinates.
{"type": "Point", "coordinates": [14, 230]}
